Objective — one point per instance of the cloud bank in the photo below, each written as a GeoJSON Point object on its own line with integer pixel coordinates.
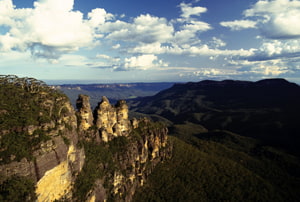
{"type": "Point", "coordinates": [55, 31]}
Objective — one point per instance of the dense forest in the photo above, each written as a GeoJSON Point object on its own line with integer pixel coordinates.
{"type": "Point", "coordinates": [233, 141]}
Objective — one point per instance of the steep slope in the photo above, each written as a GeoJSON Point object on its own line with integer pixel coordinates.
{"type": "Point", "coordinates": [49, 151]}
{"type": "Point", "coordinates": [38, 139]}
{"type": "Point", "coordinates": [212, 171]}
{"type": "Point", "coordinates": [266, 109]}
{"type": "Point", "coordinates": [212, 163]}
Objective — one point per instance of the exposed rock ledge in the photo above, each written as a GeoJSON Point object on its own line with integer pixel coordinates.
{"type": "Point", "coordinates": [57, 162]}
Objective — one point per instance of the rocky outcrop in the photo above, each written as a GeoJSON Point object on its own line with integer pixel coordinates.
{"type": "Point", "coordinates": [55, 154]}
{"type": "Point", "coordinates": [112, 121]}
{"type": "Point", "coordinates": [55, 161]}
{"type": "Point", "coordinates": [133, 161]}
{"type": "Point", "coordinates": [85, 112]}
{"type": "Point", "coordinates": [136, 147]}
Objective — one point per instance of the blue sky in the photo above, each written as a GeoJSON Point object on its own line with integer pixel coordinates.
{"type": "Point", "coordinates": [150, 41]}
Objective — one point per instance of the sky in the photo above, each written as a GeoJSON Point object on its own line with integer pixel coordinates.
{"type": "Point", "coordinates": [110, 41]}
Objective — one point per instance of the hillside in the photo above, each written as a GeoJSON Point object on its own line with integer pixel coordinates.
{"type": "Point", "coordinates": [233, 141]}
{"type": "Point", "coordinates": [210, 170]}
{"type": "Point", "coordinates": [267, 109]}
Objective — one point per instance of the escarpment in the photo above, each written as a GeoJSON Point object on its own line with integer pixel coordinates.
{"type": "Point", "coordinates": [83, 155]}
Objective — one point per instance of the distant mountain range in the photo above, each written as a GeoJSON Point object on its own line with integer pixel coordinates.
{"type": "Point", "coordinates": [267, 109]}
{"type": "Point", "coordinates": [113, 92]}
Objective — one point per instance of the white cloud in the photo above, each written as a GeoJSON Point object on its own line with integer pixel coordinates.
{"type": "Point", "coordinates": [188, 11]}
{"type": "Point", "coordinates": [278, 23]}
{"type": "Point", "coordinates": [50, 29]}
{"type": "Point", "coordinates": [239, 24]}
{"type": "Point", "coordinates": [198, 50]}
{"type": "Point", "coordinates": [98, 17]}
{"type": "Point", "coordinates": [216, 42]}
{"type": "Point", "coordinates": [142, 62]}
{"type": "Point", "coordinates": [7, 42]}
{"type": "Point", "coordinates": [117, 46]}
{"type": "Point", "coordinates": [144, 28]}
{"type": "Point", "coordinates": [274, 49]}
{"type": "Point", "coordinates": [188, 32]}
{"type": "Point", "coordinates": [208, 72]}
{"type": "Point", "coordinates": [110, 61]}
{"type": "Point", "coordinates": [55, 5]}
{"type": "Point", "coordinates": [269, 70]}
{"type": "Point", "coordinates": [103, 56]}
{"type": "Point", "coordinates": [57, 28]}
{"type": "Point", "coordinates": [277, 18]}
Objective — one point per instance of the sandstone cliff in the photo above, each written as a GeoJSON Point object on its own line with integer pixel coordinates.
{"type": "Point", "coordinates": [75, 156]}
{"type": "Point", "coordinates": [126, 151]}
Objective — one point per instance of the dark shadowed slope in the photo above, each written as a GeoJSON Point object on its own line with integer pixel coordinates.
{"type": "Point", "coordinates": [266, 109]}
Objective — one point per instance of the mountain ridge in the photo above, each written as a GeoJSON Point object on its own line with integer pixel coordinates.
{"type": "Point", "coordinates": [254, 109]}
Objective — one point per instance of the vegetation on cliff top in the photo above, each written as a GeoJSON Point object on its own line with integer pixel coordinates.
{"type": "Point", "coordinates": [25, 103]}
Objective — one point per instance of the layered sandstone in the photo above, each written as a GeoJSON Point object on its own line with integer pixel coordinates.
{"type": "Point", "coordinates": [58, 154]}
{"type": "Point", "coordinates": [110, 120]}
{"type": "Point", "coordinates": [85, 112]}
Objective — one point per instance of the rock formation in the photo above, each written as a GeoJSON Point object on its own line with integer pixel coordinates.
{"type": "Point", "coordinates": [103, 152]}
{"type": "Point", "coordinates": [84, 111]}
{"type": "Point", "coordinates": [145, 148]}
{"type": "Point", "coordinates": [54, 161]}
{"type": "Point", "coordinates": [112, 121]}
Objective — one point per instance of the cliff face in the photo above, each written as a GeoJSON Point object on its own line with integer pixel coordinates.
{"type": "Point", "coordinates": [42, 144]}
{"type": "Point", "coordinates": [55, 146]}
{"type": "Point", "coordinates": [112, 121]}
{"type": "Point", "coordinates": [131, 150]}
{"type": "Point", "coordinates": [133, 160]}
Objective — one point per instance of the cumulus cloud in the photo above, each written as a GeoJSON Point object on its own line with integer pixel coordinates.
{"type": "Point", "coordinates": [98, 17]}
{"type": "Point", "coordinates": [269, 69]}
{"type": "Point", "coordinates": [144, 28]}
{"type": "Point", "coordinates": [216, 42]}
{"type": "Point", "coordinates": [275, 49]}
{"type": "Point", "coordinates": [188, 10]}
{"type": "Point", "coordinates": [266, 68]}
{"type": "Point", "coordinates": [49, 29]}
{"type": "Point", "coordinates": [276, 19]}
{"type": "Point", "coordinates": [209, 73]}
{"type": "Point", "coordinates": [239, 24]}
{"type": "Point", "coordinates": [188, 32]}
{"type": "Point", "coordinates": [142, 62]}
{"type": "Point", "coordinates": [53, 28]}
